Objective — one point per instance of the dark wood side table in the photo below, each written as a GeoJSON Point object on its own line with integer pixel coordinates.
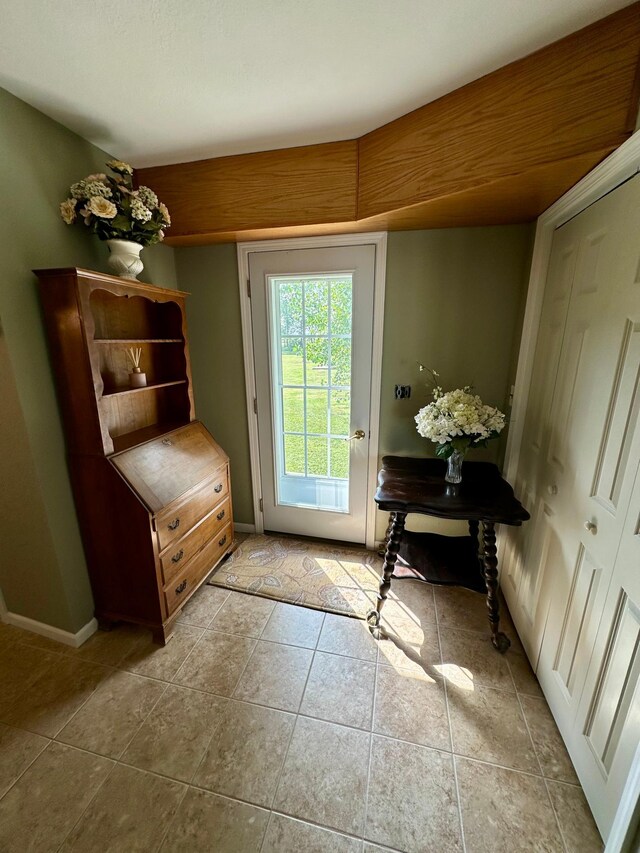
{"type": "Point", "coordinates": [483, 498]}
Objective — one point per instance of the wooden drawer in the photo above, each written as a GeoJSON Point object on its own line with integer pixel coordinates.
{"type": "Point", "coordinates": [179, 553]}
{"type": "Point", "coordinates": [182, 585]}
{"type": "Point", "coordinates": [174, 521]}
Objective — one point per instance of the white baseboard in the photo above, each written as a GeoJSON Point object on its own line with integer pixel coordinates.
{"type": "Point", "coordinates": [239, 527]}
{"type": "Point", "coordinates": [53, 633]}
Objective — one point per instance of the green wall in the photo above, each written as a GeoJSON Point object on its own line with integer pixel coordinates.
{"type": "Point", "coordinates": [454, 302]}
{"type": "Point", "coordinates": [42, 569]}
{"type": "Point", "coordinates": [210, 274]}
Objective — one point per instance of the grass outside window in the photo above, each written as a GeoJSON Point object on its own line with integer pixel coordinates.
{"type": "Point", "coordinates": [319, 403]}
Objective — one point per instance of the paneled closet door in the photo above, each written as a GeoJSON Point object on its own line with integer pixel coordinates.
{"type": "Point", "coordinates": [608, 722]}
{"type": "Point", "coordinates": [588, 453]}
{"type": "Point", "coordinates": [528, 547]}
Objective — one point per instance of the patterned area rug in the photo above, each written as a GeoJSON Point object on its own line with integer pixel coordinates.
{"type": "Point", "coordinates": [337, 579]}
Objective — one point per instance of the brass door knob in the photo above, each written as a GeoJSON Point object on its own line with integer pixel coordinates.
{"type": "Point", "coordinates": [358, 435]}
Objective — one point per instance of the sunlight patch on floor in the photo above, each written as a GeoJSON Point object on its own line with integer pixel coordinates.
{"type": "Point", "coordinates": [456, 675]}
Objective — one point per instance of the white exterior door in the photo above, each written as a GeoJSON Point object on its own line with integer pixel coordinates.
{"type": "Point", "coordinates": [312, 323]}
{"type": "Point", "coordinates": [577, 573]}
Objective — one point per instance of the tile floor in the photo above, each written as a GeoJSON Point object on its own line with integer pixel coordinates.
{"type": "Point", "coordinates": [267, 727]}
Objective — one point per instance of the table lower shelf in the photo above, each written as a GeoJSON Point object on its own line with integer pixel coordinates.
{"type": "Point", "coordinates": [447, 560]}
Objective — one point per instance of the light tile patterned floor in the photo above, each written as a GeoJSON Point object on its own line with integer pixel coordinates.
{"type": "Point", "coordinates": [267, 727]}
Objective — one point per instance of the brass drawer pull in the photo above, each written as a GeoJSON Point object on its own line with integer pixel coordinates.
{"type": "Point", "coordinates": [174, 525]}
{"type": "Point", "coordinates": [223, 540]}
{"type": "Point", "coordinates": [177, 557]}
{"type": "Point", "coordinates": [220, 515]}
{"type": "Point", "coordinates": [217, 489]}
{"type": "Point", "coordinates": [181, 587]}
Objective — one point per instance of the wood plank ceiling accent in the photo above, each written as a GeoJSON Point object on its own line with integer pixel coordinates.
{"type": "Point", "coordinates": [498, 150]}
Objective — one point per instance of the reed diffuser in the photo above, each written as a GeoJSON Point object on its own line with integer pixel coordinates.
{"type": "Point", "coordinates": [137, 379]}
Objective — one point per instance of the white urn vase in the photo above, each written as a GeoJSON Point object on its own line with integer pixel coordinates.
{"type": "Point", "coordinates": [124, 259]}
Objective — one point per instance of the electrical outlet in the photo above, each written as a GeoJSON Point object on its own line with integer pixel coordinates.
{"type": "Point", "coordinates": [403, 392]}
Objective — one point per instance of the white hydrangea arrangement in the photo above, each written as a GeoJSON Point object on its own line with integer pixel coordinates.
{"type": "Point", "coordinates": [457, 420]}
{"type": "Point", "coordinates": [114, 210]}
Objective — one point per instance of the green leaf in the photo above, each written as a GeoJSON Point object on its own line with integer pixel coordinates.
{"type": "Point", "coordinates": [444, 451]}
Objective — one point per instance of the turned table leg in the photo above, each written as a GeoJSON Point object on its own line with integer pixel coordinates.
{"type": "Point", "coordinates": [500, 641]}
{"type": "Point", "coordinates": [387, 533]}
{"type": "Point", "coordinates": [390, 557]}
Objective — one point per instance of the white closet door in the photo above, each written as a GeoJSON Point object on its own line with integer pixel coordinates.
{"type": "Point", "coordinates": [528, 547]}
{"type": "Point", "coordinates": [607, 732]}
{"type": "Point", "coordinates": [587, 473]}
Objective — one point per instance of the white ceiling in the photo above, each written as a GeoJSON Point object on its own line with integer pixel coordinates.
{"type": "Point", "coordinates": [155, 81]}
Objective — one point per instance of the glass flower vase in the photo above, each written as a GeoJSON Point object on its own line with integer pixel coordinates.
{"type": "Point", "coordinates": [454, 467]}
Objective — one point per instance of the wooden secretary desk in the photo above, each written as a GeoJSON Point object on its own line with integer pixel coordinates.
{"type": "Point", "coordinates": [151, 485]}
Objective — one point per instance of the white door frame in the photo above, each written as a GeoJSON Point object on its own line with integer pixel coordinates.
{"type": "Point", "coordinates": [618, 167]}
{"type": "Point", "coordinates": [375, 238]}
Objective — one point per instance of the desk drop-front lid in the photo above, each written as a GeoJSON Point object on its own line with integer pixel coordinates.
{"type": "Point", "coordinates": [162, 470]}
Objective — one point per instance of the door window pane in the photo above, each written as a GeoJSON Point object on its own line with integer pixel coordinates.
{"type": "Point", "coordinates": [311, 333]}
{"type": "Point", "coordinates": [292, 362]}
{"type": "Point", "coordinates": [294, 454]}
{"type": "Point", "coordinates": [293, 409]}
{"type": "Point", "coordinates": [340, 412]}
{"type": "Point", "coordinates": [316, 308]}
{"type": "Point", "coordinates": [341, 361]}
{"type": "Point", "coordinates": [317, 411]}
{"type": "Point", "coordinates": [290, 298]}
{"type": "Point", "coordinates": [341, 295]}
{"type": "Point", "coordinates": [318, 456]}
{"type": "Point", "coordinates": [317, 359]}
